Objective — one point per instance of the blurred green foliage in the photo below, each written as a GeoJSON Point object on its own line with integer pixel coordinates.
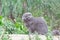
{"type": "Point", "coordinates": [11, 12]}
{"type": "Point", "coordinates": [49, 9]}
{"type": "Point", "coordinates": [11, 27]}
{"type": "Point", "coordinates": [1, 20]}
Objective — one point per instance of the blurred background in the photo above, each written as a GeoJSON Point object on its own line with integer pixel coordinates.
{"type": "Point", "coordinates": [11, 12]}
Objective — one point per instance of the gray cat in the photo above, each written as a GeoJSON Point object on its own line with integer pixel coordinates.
{"type": "Point", "coordinates": [35, 24]}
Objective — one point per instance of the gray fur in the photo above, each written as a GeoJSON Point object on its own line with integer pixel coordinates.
{"type": "Point", "coordinates": [55, 32]}
{"type": "Point", "coordinates": [33, 24]}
